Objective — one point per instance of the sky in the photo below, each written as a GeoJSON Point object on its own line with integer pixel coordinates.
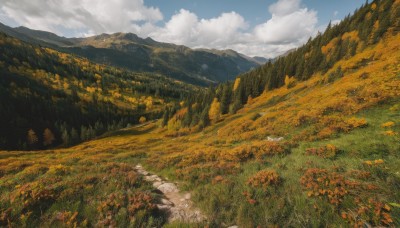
{"type": "Point", "coordinates": [265, 28]}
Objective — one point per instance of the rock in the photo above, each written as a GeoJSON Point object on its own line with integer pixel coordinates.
{"type": "Point", "coordinates": [187, 196]}
{"type": "Point", "coordinates": [157, 183]}
{"type": "Point", "coordinates": [167, 188]}
{"type": "Point", "coordinates": [152, 178]}
{"type": "Point", "coordinates": [166, 202]}
{"type": "Point", "coordinates": [163, 207]}
{"type": "Point", "coordinates": [271, 139]}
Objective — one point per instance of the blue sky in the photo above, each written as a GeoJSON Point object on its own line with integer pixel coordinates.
{"type": "Point", "coordinates": [255, 11]}
{"type": "Point", "coordinates": [254, 27]}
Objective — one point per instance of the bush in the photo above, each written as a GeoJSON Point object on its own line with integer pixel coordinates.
{"type": "Point", "coordinates": [264, 179]}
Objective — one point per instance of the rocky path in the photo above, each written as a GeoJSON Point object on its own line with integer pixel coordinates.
{"type": "Point", "coordinates": [176, 204]}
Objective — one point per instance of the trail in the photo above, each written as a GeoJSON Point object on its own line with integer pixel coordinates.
{"type": "Point", "coordinates": [176, 204]}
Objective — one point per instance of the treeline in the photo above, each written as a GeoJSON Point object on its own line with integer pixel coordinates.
{"type": "Point", "coordinates": [352, 35]}
{"type": "Point", "coordinates": [48, 98]}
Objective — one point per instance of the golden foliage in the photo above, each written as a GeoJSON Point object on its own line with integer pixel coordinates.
{"type": "Point", "coordinates": [352, 36]}
{"type": "Point", "coordinates": [215, 110]}
{"type": "Point", "coordinates": [264, 179]}
{"type": "Point", "coordinates": [236, 84]}
{"type": "Point", "coordinates": [142, 119]}
{"type": "Point", "coordinates": [328, 151]}
{"type": "Point", "coordinates": [388, 124]}
{"type": "Point", "coordinates": [330, 46]}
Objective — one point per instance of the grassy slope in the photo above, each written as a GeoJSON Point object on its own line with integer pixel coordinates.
{"type": "Point", "coordinates": [216, 164]}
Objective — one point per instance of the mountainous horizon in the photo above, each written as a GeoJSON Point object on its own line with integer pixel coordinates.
{"type": "Point", "coordinates": [118, 131]}
{"type": "Point", "coordinates": [196, 66]}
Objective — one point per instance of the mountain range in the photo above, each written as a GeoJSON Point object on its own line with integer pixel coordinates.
{"type": "Point", "coordinates": [127, 50]}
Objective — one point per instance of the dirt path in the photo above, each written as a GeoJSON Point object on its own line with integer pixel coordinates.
{"type": "Point", "coordinates": [176, 204]}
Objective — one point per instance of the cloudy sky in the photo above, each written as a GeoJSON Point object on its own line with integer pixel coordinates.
{"type": "Point", "coordinates": [253, 27]}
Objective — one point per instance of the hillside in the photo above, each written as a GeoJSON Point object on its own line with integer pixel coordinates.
{"type": "Point", "coordinates": [337, 163]}
{"type": "Point", "coordinates": [71, 97]}
{"type": "Point", "coordinates": [308, 140]}
{"type": "Point", "coordinates": [127, 50]}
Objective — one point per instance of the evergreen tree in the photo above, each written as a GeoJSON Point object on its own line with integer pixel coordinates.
{"type": "Point", "coordinates": [165, 118]}
{"type": "Point", "coordinates": [66, 138]}
{"type": "Point", "coordinates": [204, 117]}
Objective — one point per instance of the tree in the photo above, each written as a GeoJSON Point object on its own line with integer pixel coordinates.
{"type": "Point", "coordinates": [165, 118]}
{"type": "Point", "coordinates": [187, 119]}
{"type": "Point", "coordinates": [65, 138]}
{"type": "Point", "coordinates": [48, 137]}
{"type": "Point", "coordinates": [215, 110]}
{"type": "Point", "coordinates": [74, 136]}
{"type": "Point", "coordinates": [31, 137]}
{"type": "Point", "coordinates": [142, 119]}
{"type": "Point", "coordinates": [225, 98]}
{"type": "Point", "coordinates": [204, 117]}
{"type": "Point", "coordinates": [84, 134]}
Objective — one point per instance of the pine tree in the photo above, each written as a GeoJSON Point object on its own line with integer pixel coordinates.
{"type": "Point", "coordinates": [84, 135]}
{"type": "Point", "coordinates": [66, 138]}
{"type": "Point", "coordinates": [187, 119]}
{"type": "Point", "coordinates": [225, 98]}
{"type": "Point", "coordinates": [204, 120]}
{"type": "Point", "coordinates": [74, 136]}
{"type": "Point", "coordinates": [165, 118]}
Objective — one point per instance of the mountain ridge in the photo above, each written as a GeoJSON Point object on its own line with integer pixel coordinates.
{"type": "Point", "coordinates": [128, 50]}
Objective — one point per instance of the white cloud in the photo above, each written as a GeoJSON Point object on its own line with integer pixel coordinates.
{"type": "Point", "coordinates": [290, 25]}
{"type": "Point", "coordinates": [185, 28]}
{"type": "Point", "coordinates": [78, 17]}
{"type": "Point", "coordinates": [284, 7]}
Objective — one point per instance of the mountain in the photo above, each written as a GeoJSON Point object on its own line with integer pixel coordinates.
{"type": "Point", "coordinates": [127, 50]}
{"type": "Point", "coordinates": [260, 60]}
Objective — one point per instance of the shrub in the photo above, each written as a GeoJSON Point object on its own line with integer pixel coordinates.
{"type": "Point", "coordinates": [320, 182]}
{"type": "Point", "coordinates": [328, 151]}
{"type": "Point", "coordinates": [388, 124]}
{"type": "Point", "coordinates": [374, 213]}
{"type": "Point", "coordinates": [263, 149]}
{"type": "Point", "coordinates": [264, 179]}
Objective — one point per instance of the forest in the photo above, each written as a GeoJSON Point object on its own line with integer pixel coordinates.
{"type": "Point", "coordinates": [51, 98]}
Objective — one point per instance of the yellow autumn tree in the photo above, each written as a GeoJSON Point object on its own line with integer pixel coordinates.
{"type": "Point", "coordinates": [48, 137]}
{"type": "Point", "coordinates": [31, 137]}
{"type": "Point", "coordinates": [236, 84]}
{"type": "Point", "coordinates": [142, 119]}
{"type": "Point", "coordinates": [215, 110]}
{"type": "Point", "coordinates": [290, 82]}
